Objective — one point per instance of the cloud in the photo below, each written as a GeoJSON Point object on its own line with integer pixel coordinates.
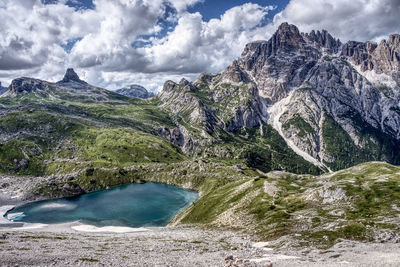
{"type": "Point", "coordinates": [120, 23]}
{"type": "Point", "coordinates": [182, 5]}
{"type": "Point", "coordinates": [359, 20]}
{"type": "Point", "coordinates": [41, 40]}
{"type": "Point", "coordinates": [114, 43]}
{"type": "Point", "coordinates": [193, 46]}
{"type": "Point", "coordinates": [196, 46]}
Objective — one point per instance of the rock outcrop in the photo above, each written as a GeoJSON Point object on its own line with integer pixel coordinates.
{"type": "Point", "coordinates": [71, 76]}
{"type": "Point", "coordinates": [382, 59]}
{"type": "Point", "coordinates": [26, 85]}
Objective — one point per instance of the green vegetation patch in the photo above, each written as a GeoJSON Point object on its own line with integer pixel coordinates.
{"type": "Point", "coordinates": [375, 145]}
{"type": "Point", "coordinates": [299, 123]}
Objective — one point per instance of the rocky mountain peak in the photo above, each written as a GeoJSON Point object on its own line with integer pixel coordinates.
{"type": "Point", "coordinates": [288, 30]}
{"type": "Point", "coordinates": [169, 86]}
{"type": "Point", "coordinates": [323, 39]}
{"type": "Point", "coordinates": [203, 78]}
{"type": "Point", "coordinates": [70, 75]}
{"type": "Point", "coordinates": [394, 40]}
{"type": "Point", "coordinates": [287, 37]}
{"type": "Point", "coordinates": [184, 82]}
{"type": "Point", "coordinates": [235, 73]}
{"type": "Point", "coordinates": [382, 58]}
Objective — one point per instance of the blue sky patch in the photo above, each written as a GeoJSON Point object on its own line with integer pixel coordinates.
{"type": "Point", "coordinates": [77, 4]}
{"type": "Point", "coordinates": [70, 44]}
{"type": "Point", "coordinates": [214, 9]}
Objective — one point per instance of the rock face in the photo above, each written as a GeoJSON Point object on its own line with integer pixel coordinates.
{"type": "Point", "coordinates": [26, 85]}
{"type": "Point", "coordinates": [312, 84]}
{"type": "Point", "coordinates": [135, 91]}
{"type": "Point", "coordinates": [335, 104]}
{"type": "Point", "coordinates": [382, 59]}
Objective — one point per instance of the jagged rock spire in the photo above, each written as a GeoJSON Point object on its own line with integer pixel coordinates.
{"type": "Point", "coordinates": [70, 75]}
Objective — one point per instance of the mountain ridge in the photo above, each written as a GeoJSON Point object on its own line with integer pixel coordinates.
{"type": "Point", "coordinates": [297, 71]}
{"type": "Point", "coordinates": [297, 94]}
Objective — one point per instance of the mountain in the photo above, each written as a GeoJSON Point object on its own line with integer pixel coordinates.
{"type": "Point", "coordinates": [334, 104]}
{"type": "Point", "coordinates": [70, 88]}
{"type": "Point", "coordinates": [299, 102]}
{"type": "Point", "coordinates": [260, 141]}
{"type": "Point", "coordinates": [135, 91]}
{"type": "Point", "coordinates": [2, 89]}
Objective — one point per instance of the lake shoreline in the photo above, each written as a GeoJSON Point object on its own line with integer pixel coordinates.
{"type": "Point", "coordinates": [131, 205]}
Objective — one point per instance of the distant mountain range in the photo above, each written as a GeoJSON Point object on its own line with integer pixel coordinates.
{"type": "Point", "coordinates": [135, 91]}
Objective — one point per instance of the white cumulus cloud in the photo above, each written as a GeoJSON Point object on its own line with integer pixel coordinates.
{"type": "Point", "coordinates": [149, 41]}
{"type": "Point", "coordinates": [359, 20]}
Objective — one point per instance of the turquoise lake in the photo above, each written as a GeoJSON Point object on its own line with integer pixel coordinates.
{"type": "Point", "coordinates": [133, 205]}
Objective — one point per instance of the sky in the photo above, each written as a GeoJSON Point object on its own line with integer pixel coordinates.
{"type": "Point", "coordinates": [114, 43]}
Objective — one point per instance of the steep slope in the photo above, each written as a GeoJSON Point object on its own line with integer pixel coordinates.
{"type": "Point", "coordinates": [334, 104]}
{"type": "Point", "coordinates": [134, 91]}
{"type": "Point", "coordinates": [321, 99]}
{"type": "Point", "coordinates": [217, 119]}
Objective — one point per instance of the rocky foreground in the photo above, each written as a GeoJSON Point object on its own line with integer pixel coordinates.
{"type": "Point", "coordinates": [176, 246]}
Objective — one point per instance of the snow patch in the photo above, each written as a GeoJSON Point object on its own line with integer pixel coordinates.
{"type": "Point", "coordinates": [273, 258]}
{"type": "Point", "coordinates": [3, 211]}
{"type": "Point", "coordinates": [109, 229]}
{"type": "Point", "coordinates": [260, 244]}
{"type": "Point", "coordinates": [375, 78]}
{"type": "Point", "coordinates": [32, 226]}
{"type": "Point", "coordinates": [13, 216]}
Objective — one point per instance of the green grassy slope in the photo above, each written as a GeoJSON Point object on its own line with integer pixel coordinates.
{"type": "Point", "coordinates": [57, 137]}
{"type": "Point", "coordinates": [360, 203]}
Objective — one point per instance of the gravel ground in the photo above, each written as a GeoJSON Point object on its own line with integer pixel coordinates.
{"type": "Point", "coordinates": [60, 245]}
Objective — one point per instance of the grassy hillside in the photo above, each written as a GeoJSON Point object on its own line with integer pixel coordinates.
{"type": "Point", "coordinates": [360, 203]}
{"type": "Point", "coordinates": [49, 138]}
